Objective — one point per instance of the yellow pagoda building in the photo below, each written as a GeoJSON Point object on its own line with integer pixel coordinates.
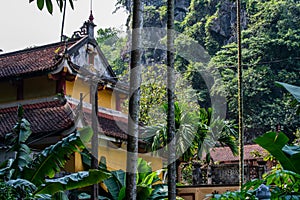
{"type": "Point", "coordinates": [57, 84]}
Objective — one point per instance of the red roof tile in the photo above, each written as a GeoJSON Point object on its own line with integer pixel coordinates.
{"type": "Point", "coordinates": [109, 125]}
{"type": "Point", "coordinates": [55, 117]}
{"type": "Point", "coordinates": [224, 154]}
{"type": "Point", "coordinates": [32, 60]}
{"type": "Point", "coordinates": [44, 118]}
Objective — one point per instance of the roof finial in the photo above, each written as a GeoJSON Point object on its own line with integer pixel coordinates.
{"type": "Point", "coordinates": [91, 18]}
{"type": "Point", "coordinates": [90, 24]}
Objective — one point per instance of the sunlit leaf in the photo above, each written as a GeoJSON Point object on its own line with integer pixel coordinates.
{"type": "Point", "coordinates": [275, 143]}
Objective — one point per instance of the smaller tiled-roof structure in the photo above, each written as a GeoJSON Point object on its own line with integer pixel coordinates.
{"type": "Point", "coordinates": [108, 124]}
{"type": "Point", "coordinates": [49, 118]}
{"type": "Point", "coordinates": [224, 154]}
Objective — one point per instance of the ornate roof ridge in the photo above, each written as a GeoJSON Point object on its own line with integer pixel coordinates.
{"type": "Point", "coordinates": [36, 48]}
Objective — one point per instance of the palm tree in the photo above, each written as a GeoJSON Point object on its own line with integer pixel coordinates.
{"type": "Point", "coordinates": [212, 131]}
{"type": "Point", "coordinates": [196, 132]}
{"type": "Point", "coordinates": [171, 129]}
{"type": "Point", "coordinates": [134, 99]}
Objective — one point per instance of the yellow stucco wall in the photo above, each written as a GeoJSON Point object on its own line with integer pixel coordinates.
{"type": "Point", "coordinates": [8, 92]}
{"type": "Point", "coordinates": [73, 89]}
{"type": "Point", "coordinates": [199, 193]}
{"type": "Point", "coordinates": [74, 164]}
{"type": "Point", "coordinates": [115, 160]}
{"type": "Point", "coordinates": [69, 88]}
{"type": "Point", "coordinates": [39, 87]}
{"type": "Point", "coordinates": [107, 99]}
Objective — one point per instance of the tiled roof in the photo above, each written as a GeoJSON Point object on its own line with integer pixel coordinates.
{"type": "Point", "coordinates": [32, 60]}
{"type": "Point", "coordinates": [56, 116]}
{"type": "Point", "coordinates": [44, 118]}
{"type": "Point", "coordinates": [224, 154]}
{"type": "Point", "coordinates": [108, 125]}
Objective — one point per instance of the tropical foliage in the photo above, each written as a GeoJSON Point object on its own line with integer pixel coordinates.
{"type": "Point", "coordinates": [113, 44]}
{"type": "Point", "coordinates": [270, 53]}
{"type": "Point", "coordinates": [196, 133]}
{"type": "Point", "coordinates": [33, 176]}
{"type": "Point", "coordinates": [283, 180]}
{"type": "Point", "coordinates": [149, 184]}
{"type": "Point", "coordinates": [276, 144]}
{"type": "Point", "coordinates": [270, 39]}
{"type": "Point", "coordinates": [8, 192]}
{"type": "Point", "coordinates": [295, 91]}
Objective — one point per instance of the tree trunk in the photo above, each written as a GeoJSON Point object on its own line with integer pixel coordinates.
{"type": "Point", "coordinates": [134, 97]}
{"type": "Point", "coordinates": [240, 96]}
{"type": "Point", "coordinates": [94, 159]}
{"type": "Point", "coordinates": [171, 110]}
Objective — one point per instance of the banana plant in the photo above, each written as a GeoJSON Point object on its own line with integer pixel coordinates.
{"type": "Point", "coordinates": [148, 184]}
{"type": "Point", "coordinates": [287, 155]}
{"type": "Point", "coordinates": [34, 177]}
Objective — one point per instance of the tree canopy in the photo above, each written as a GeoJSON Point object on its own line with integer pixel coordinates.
{"type": "Point", "coordinates": [270, 43]}
{"type": "Point", "coordinates": [270, 48]}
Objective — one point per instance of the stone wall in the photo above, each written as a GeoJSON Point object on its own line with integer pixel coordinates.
{"type": "Point", "coordinates": [200, 192]}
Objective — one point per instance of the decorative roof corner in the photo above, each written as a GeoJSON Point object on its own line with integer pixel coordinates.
{"type": "Point", "coordinates": [86, 29]}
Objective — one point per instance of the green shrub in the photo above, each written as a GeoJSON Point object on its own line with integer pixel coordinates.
{"type": "Point", "coordinates": [6, 191]}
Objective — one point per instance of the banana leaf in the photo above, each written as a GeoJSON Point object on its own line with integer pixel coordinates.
{"type": "Point", "coordinates": [73, 181]}
{"type": "Point", "coordinates": [160, 192]}
{"type": "Point", "coordinates": [122, 193]}
{"type": "Point", "coordinates": [43, 197]}
{"type": "Point", "coordinates": [294, 90]}
{"type": "Point", "coordinates": [60, 196]}
{"type": "Point", "coordinates": [143, 192]}
{"type": "Point", "coordinates": [5, 169]}
{"type": "Point", "coordinates": [22, 185]}
{"type": "Point", "coordinates": [143, 170]}
{"type": "Point", "coordinates": [25, 131]}
{"type": "Point", "coordinates": [115, 183]}
{"type": "Point", "coordinates": [16, 140]}
{"type": "Point", "coordinates": [275, 143]}
{"type": "Point", "coordinates": [53, 158]}
{"type": "Point", "coordinates": [22, 158]}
